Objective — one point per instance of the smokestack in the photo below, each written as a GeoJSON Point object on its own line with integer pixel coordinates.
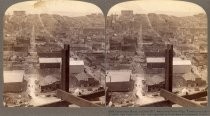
{"type": "Point", "coordinates": [65, 69]}
{"type": "Point", "coordinates": [169, 67]}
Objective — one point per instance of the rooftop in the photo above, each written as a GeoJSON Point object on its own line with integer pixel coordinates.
{"type": "Point", "coordinates": [58, 60]}
{"type": "Point", "coordinates": [176, 61]}
{"type": "Point", "coordinates": [13, 76]}
{"type": "Point", "coordinates": [118, 75]}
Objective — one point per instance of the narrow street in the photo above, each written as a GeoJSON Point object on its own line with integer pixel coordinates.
{"type": "Point", "coordinates": [33, 76]}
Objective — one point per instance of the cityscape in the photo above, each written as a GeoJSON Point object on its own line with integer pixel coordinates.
{"type": "Point", "coordinates": [55, 60]}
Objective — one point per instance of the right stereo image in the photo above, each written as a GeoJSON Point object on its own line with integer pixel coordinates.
{"type": "Point", "coordinates": [157, 54]}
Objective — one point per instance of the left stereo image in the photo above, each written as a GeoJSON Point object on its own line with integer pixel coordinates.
{"type": "Point", "coordinates": [53, 55]}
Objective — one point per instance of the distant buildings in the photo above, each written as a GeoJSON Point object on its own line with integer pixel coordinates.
{"type": "Point", "coordinates": [127, 43]}
{"type": "Point", "coordinates": [126, 15]}
{"type": "Point", "coordinates": [94, 31]}
{"type": "Point", "coordinates": [14, 81]}
{"type": "Point", "coordinates": [19, 13]}
{"type": "Point", "coordinates": [119, 80]}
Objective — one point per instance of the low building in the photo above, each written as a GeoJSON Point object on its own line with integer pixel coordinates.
{"type": "Point", "coordinates": [86, 80]}
{"type": "Point", "coordinates": [49, 83]}
{"type": "Point", "coordinates": [192, 80]}
{"type": "Point", "coordinates": [76, 66]}
{"type": "Point", "coordinates": [155, 83]}
{"type": "Point", "coordinates": [182, 66]}
{"type": "Point", "coordinates": [49, 63]}
{"type": "Point", "coordinates": [179, 65]}
{"type": "Point", "coordinates": [14, 81]}
{"type": "Point", "coordinates": [119, 80]}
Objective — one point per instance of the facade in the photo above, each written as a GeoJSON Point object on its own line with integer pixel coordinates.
{"type": "Point", "coordinates": [14, 81]}
{"type": "Point", "coordinates": [182, 66]}
{"type": "Point", "coordinates": [49, 62]}
{"type": "Point", "coordinates": [119, 80]}
{"type": "Point", "coordinates": [76, 66]}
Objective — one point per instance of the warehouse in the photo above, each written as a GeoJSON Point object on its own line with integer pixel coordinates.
{"type": "Point", "coordinates": [179, 65]}
{"type": "Point", "coordinates": [49, 62]}
{"type": "Point", "coordinates": [14, 81]}
{"type": "Point", "coordinates": [119, 80]}
{"type": "Point", "coordinates": [76, 66]}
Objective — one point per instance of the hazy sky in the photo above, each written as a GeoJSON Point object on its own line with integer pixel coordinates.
{"type": "Point", "coordinates": [170, 7]}
{"type": "Point", "coordinates": [63, 7]}
{"type": "Point", "coordinates": [77, 8]}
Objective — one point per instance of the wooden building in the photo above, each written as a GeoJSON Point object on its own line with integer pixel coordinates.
{"type": "Point", "coordinates": [14, 81]}
{"type": "Point", "coordinates": [179, 65]}
{"type": "Point", "coordinates": [76, 66]}
{"type": "Point", "coordinates": [119, 80]}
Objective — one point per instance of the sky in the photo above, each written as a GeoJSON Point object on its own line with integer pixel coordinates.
{"type": "Point", "coordinates": [169, 7]}
{"type": "Point", "coordinates": [77, 8]}
{"type": "Point", "coordinates": [62, 7]}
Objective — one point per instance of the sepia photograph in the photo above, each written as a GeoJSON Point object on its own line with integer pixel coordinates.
{"type": "Point", "coordinates": [143, 53]}
{"type": "Point", "coordinates": [53, 54]}
{"type": "Point", "coordinates": [157, 54]}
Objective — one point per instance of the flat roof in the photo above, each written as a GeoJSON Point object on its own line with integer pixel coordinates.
{"type": "Point", "coordinates": [13, 76]}
{"type": "Point", "coordinates": [58, 60]}
{"type": "Point", "coordinates": [76, 62]}
{"type": "Point", "coordinates": [176, 60]}
{"type": "Point", "coordinates": [118, 75]}
{"type": "Point", "coordinates": [49, 60]}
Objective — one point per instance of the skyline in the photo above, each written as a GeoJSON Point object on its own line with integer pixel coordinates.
{"type": "Point", "coordinates": [61, 7]}
{"type": "Point", "coordinates": [70, 8]}
{"type": "Point", "coordinates": [180, 8]}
